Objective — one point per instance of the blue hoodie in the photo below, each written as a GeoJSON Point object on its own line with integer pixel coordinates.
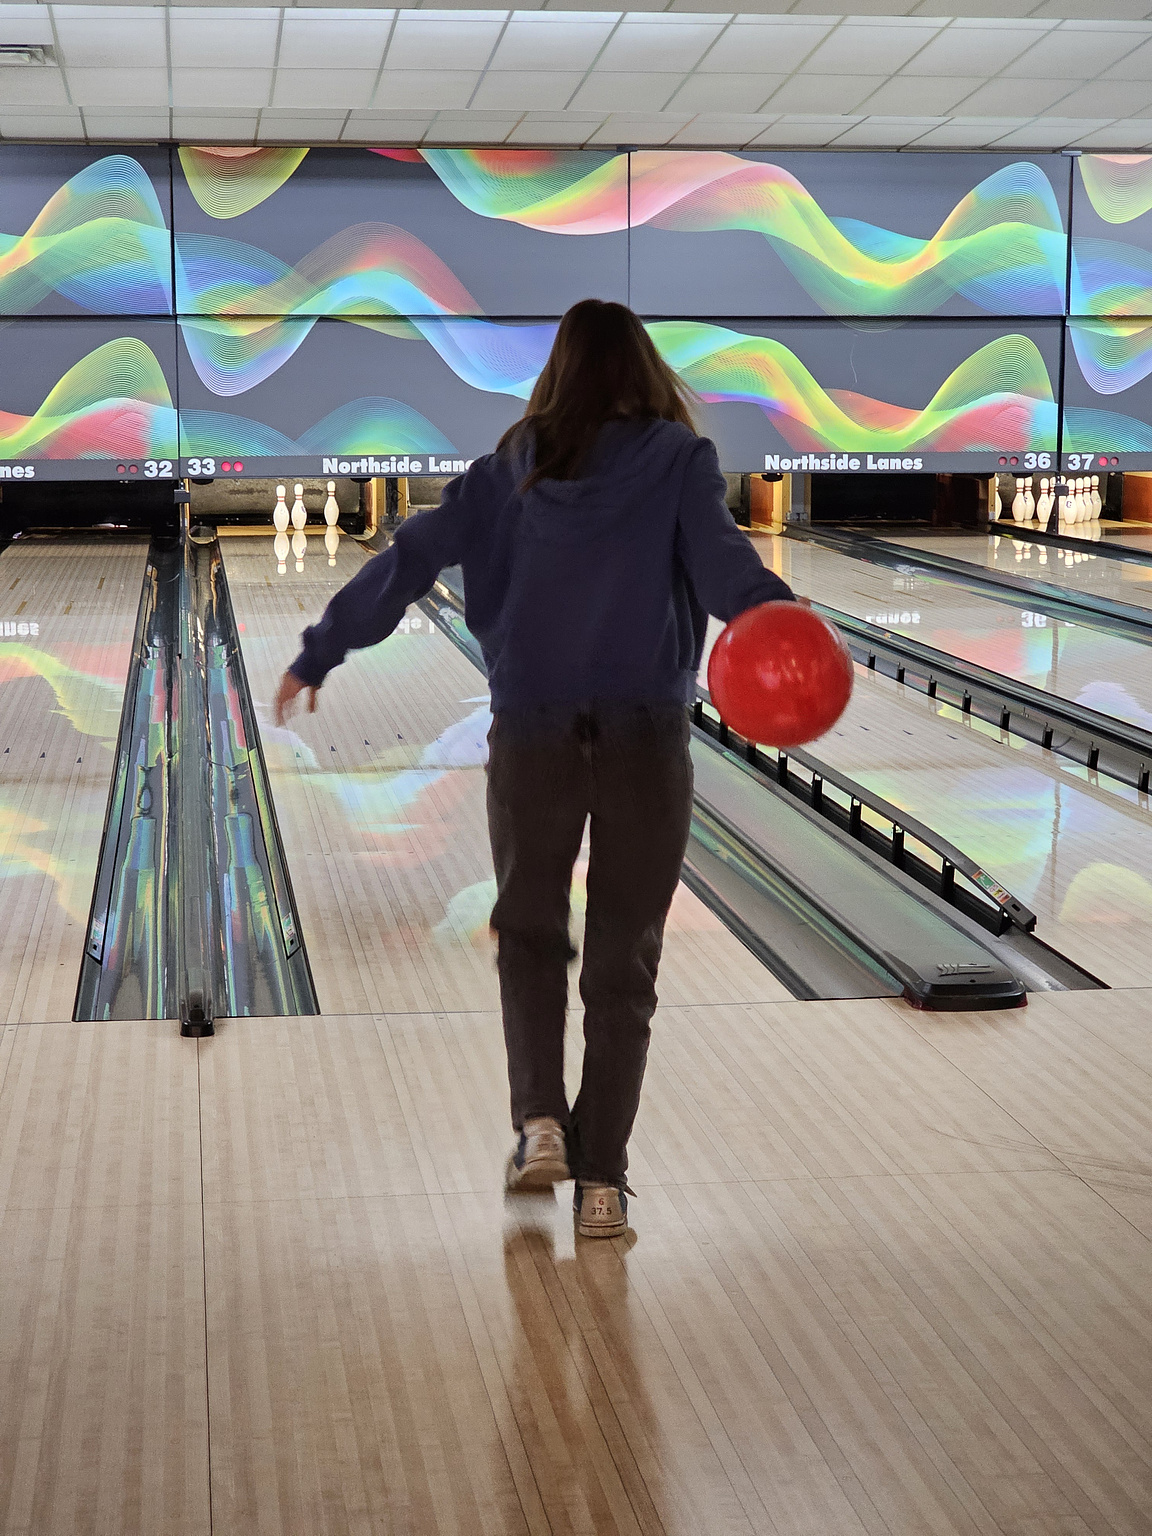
{"type": "Point", "coordinates": [585, 590]}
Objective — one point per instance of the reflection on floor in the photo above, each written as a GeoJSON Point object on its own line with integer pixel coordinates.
{"type": "Point", "coordinates": [889, 1276]}
{"type": "Point", "coordinates": [1074, 661]}
{"type": "Point", "coordinates": [65, 644]}
{"type": "Point", "coordinates": [1079, 569]}
{"type": "Point", "coordinates": [380, 800]}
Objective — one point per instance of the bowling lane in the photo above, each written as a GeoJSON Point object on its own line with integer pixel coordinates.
{"type": "Point", "coordinates": [1075, 661]}
{"type": "Point", "coordinates": [1079, 857]}
{"type": "Point", "coordinates": [1080, 570]}
{"type": "Point", "coordinates": [380, 800]}
{"type": "Point", "coordinates": [66, 623]}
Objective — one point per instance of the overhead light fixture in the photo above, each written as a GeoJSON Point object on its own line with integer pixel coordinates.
{"type": "Point", "coordinates": [24, 53]}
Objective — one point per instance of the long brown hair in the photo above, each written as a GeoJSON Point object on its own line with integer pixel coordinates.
{"type": "Point", "coordinates": [602, 367]}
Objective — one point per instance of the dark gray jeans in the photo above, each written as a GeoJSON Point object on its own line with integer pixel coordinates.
{"type": "Point", "coordinates": [627, 768]}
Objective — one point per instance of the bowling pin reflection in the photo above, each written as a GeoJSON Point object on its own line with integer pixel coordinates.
{"type": "Point", "coordinates": [331, 542]}
{"type": "Point", "coordinates": [281, 546]}
{"type": "Point", "coordinates": [299, 547]}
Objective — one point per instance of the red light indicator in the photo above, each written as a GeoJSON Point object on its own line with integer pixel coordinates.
{"type": "Point", "coordinates": [1013, 460]}
{"type": "Point", "coordinates": [237, 466]}
{"type": "Point", "coordinates": [132, 469]}
{"type": "Point", "coordinates": [226, 465]}
{"type": "Point", "coordinates": [1113, 460]}
{"type": "Point", "coordinates": [121, 469]}
{"type": "Point", "coordinates": [1003, 458]}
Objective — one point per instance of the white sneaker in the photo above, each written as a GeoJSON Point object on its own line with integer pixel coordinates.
{"type": "Point", "coordinates": [540, 1158]}
{"type": "Point", "coordinates": [601, 1210]}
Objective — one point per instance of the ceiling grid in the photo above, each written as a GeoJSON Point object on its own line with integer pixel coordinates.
{"type": "Point", "coordinates": [903, 74]}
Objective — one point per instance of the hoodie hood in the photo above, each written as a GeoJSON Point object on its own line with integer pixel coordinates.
{"type": "Point", "coordinates": [628, 459]}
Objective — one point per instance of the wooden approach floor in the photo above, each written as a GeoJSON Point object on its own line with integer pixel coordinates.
{"type": "Point", "coordinates": [891, 1274]}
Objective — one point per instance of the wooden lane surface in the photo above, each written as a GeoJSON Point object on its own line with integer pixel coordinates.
{"type": "Point", "coordinates": [1095, 668]}
{"type": "Point", "coordinates": [888, 1275]}
{"type": "Point", "coordinates": [380, 799]}
{"type": "Point", "coordinates": [61, 695]}
{"type": "Point", "coordinates": [103, 1387]}
{"type": "Point", "coordinates": [1079, 569]}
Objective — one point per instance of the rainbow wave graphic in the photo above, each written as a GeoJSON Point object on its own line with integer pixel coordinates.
{"type": "Point", "coordinates": [999, 398]}
{"type": "Point", "coordinates": [1119, 187]}
{"type": "Point", "coordinates": [113, 404]}
{"type": "Point", "coordinates": [101, 242]}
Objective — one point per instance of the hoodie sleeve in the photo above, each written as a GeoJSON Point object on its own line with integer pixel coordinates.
{"type": "Point", "coordinates": [369, 607]}
{"type": "Point", "coordinates": [727, 574]}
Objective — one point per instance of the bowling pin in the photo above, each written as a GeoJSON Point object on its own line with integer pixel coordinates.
{"type": "Point", "coordinates": [1097, 499]}
{"type": "Point", "coordinates": [998, 513]}
{"type": "Point", "coordinates": [1018, 507]}
{"type": "Point", "coordinates": [299, 511]}
{"type": "Point", "coordinates": [280, 514]}
{"type": "Point", "coordinates": [281, 546]}
{"type": "Point", "coordinates": [1044, 505]}
{"type": "Point", "coordinates": [331, 542]}
{"type": "Point", "coordinates": [331, 509]}
{"type": "Point", "coordinates": [1081, 500]}
{"type": "Point", "coordinates": [299, 547]}
{"type": "Point", "coordinates": [1029, 501]}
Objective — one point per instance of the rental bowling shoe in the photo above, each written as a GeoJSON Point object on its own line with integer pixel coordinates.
{"type": "Point", "coordinates": [540, 1158]}
{"type": "Point", "coordinates": [601, 1210]}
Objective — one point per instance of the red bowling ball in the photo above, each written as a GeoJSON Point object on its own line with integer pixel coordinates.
{"type": "Point", "coordinates": [780, 675]}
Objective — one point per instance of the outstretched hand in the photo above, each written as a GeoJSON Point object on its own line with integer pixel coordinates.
{"type": "Point", "coordinates": [285, 704]}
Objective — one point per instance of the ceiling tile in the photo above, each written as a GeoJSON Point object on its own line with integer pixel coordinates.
{"type": "Point", "coordinates": [724, 93]}
{"type": "Point", "coordinates": [722, 129]}
{"type": "Point", "coordinates": [637, 130]}
{"type": "Point", "coordinates": [1020, 96]}
{"type": "Point", "coordinates": [919, 95]}
{"type": "Point", "coordinates": [33, 87]}
{"type": "Point", "coordinates": [1135, 133]}
{"type": "Point", "coordinates": [1121, 98]}
{"type": "Point", "coordinates": [557, 130]}
{"type": "Point", "coordinates": [816, 94]}
{"type": "Point", "coordinates": [304, 88]}
{"type": "Point", "coordinates": [202, 127]}
{"type": "Point", "coordinates": [470, 128]}
{"type": "Point", "coordinates": [1137, 65]}
{"type": "Point", "coordinates": [866, 50]}
{"type": "Point", "coordinates": [548, 45]}
{"type": "Point", "coordinates": [965, 51]}
{"type": "Point", "coordinates": [104, 44]}
{"type": "Point", "coordinates": [624, 93]}
{"type": "Point", "coordinates": [25, 24]}
{"type": "Point", "coordinates": [657, 45]}
{"type": "Point", "coordinates": [336, 43]}
{"type": "Point", "coordinates": [111, 126]}
{"type": "Point", "coordinates": [223, 43]}
{"type": "Point", "coordinates": [1049, 133]}
{"type": "Point", "coordinates": [886, 132]}
{"type": "Point", "coordinates": [421, 44]}
{"type": "Point", "coordinates": [113, 87]}
{"type": "Point", "coordinates": [65, 125]}
{"type": "Point", "coordinates": [1076, 54]}
{"type": "Point", "coordinates": [362, 129]}
{"type": "Point", "coordinates": [526, 90]}
{"type": "Point", "coordinates": [220, 87]}
{"type": "Point", "coordinates": [802, 132]}
{"type": "Point", "coordinates": [426, 88]}
{"type": "Point", "coordinates": [759, 43]}
{"type": "Point", "coordinates": [299, 130]}
{"type": "Point", "coordinates": [964, 132]}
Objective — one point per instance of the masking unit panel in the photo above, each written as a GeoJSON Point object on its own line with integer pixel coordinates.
{"type": "Point", "coordinates": [716, 232]}
{"type": "Point", "coordinates": [430, 232]}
